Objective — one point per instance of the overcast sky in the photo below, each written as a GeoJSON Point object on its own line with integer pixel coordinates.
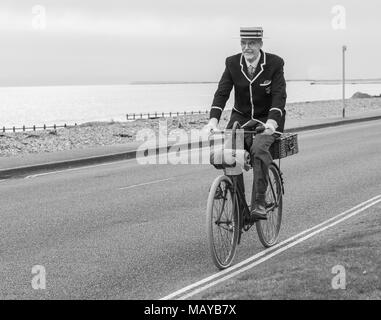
{"type": "Point", "coordinates": [118, 41]}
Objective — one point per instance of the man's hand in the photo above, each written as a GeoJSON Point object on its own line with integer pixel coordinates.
{"type": "Point", "coordinates": [211, 126]}
{"type": "Point", "coordinates": [270, 126]}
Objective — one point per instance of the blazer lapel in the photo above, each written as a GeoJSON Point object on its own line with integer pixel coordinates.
{"type": "Point", "coordinates": [258, 70]}
{"type": "Point", "coordinates": [244, 68]}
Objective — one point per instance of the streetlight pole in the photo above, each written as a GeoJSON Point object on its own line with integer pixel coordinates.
{"type": "Point", "coordinates": [344, 49]}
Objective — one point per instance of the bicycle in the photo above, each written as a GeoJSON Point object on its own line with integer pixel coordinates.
{"type": "Point", "coordinates": [228, 213]}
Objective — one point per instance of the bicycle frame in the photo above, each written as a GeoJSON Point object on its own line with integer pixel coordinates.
{"type": "Point", "coordinates": [239, 196]}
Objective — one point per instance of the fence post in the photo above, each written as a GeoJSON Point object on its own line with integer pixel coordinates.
{"type": "Point", "coordinates": [14, 129]}
{"type": "Point", "coordinates": [141, 116]}
{"type": "Point", "coordinates": [163, 114]}
{"type": "Point", "coordinates": [155, 114]}
{"type": "Point", "coordinates": [54, 126]}
{"type": "Point", "coordinates": [133, 116]}
{"type": "Point", "coordinates": [3, 129]}
{"type": "Point", "coordinates": [23, 127]}
{"type": "Point", "coordinates": [127, 116]}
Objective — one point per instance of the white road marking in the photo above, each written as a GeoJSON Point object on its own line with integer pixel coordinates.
{"type": "Point", "coordinates": [143, 184]}
{"type": "Point", "coordinates": [269, 253]}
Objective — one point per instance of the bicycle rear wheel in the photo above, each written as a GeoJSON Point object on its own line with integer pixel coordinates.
{"type": "Point", "coordinates": [268, 230]}
{"type": "Point", "coordinates": [222, 222]}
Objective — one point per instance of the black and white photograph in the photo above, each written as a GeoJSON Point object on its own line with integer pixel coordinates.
{"type": "Point", "coordinates": [211, 152]}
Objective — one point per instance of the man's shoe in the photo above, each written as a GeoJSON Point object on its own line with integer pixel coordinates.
{"type": "Point", "coordinates": [259, 212]}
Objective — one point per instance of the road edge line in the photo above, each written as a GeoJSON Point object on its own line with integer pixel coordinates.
{"type": "Point", "coordinates": [276, 252]}
{"type": "Point", "coordinates": [267, 251]}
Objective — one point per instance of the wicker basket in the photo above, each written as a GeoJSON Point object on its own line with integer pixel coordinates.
{"type": "Point", "coordinates": [284, 146]}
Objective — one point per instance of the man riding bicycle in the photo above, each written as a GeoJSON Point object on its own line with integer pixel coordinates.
{"type": "Point", "coordinates": [260, 98]}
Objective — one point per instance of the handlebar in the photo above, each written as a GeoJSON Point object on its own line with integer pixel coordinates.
{"type": "Point", "coordinates": [259, 130]}
{"type": "Point", "coordinates": [236, 126]}
{"type": "Point", "coordinates": [251, 123]}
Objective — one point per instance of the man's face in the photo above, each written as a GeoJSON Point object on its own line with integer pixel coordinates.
{"type": "Point", "coordinates": [251, 48]}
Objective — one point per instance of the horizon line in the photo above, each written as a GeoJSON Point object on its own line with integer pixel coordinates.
{"type": "Point", "coordinates": [148, 82]}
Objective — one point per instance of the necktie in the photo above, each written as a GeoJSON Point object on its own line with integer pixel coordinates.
{"type": "Point", "coordinates": [251, 71]}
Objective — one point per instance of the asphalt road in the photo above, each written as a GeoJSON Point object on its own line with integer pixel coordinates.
{"type": "Point", "coordinates": [131, 231]}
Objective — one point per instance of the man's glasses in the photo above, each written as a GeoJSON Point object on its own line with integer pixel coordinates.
{"type": "Point", "coordinates": [249, 43]}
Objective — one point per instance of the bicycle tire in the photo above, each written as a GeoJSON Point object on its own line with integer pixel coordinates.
{"type": "Point", "coordinates": [222, 253]}
{"type": "Point", "coordinates": [268, 230]}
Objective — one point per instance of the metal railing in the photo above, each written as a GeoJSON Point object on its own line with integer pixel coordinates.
{"type": "Point", "coordinates": [135, 116]}
{"type": "Point", "coordinates": [129, 116]}
{"type": "Point", "coordinates": [34, 127]}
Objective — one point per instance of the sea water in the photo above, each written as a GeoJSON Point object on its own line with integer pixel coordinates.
{"type": "Point", "coordinates": [77, 104]}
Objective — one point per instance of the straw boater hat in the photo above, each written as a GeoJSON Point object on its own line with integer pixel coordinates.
{"type": "Point", "coordinates": [251, 33]}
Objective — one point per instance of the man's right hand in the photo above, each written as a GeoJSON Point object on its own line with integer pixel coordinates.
{"type": "Point", "coordinates": [211, 126]}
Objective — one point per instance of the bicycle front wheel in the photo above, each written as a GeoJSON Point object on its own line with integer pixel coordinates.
{"type": "Point", "coordinates": [222, 222]}
{"type": "Point", "coordinates": [268, 230]}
